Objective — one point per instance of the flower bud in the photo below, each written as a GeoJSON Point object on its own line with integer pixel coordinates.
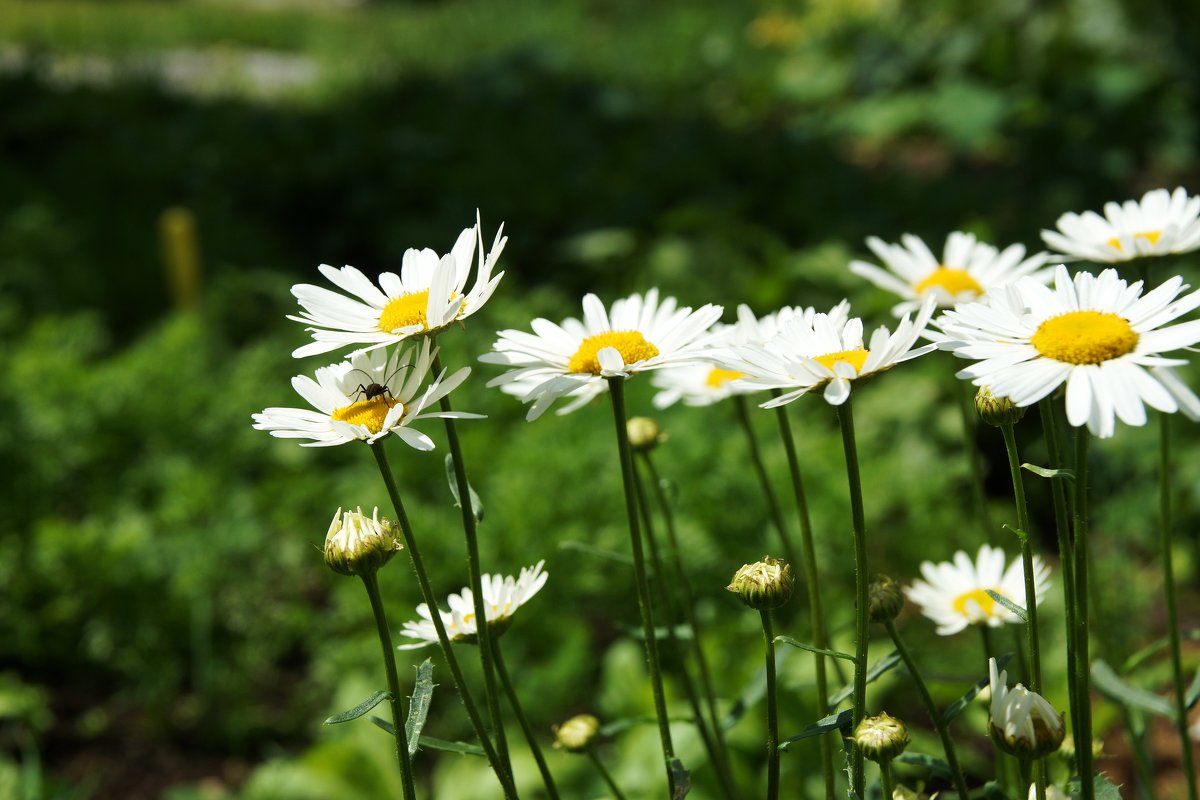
{"type": "Point", "coordinates": [359, 545]}
{"type": "Point", "coordinates": [1052, 793]}
{"type": "Point", "coordinates": [576, 734]}
{"type": "Point", "coordinates": [882, 737]}
{"type": "Point", "coordinates": [884, 599]}
{"type": "Point", "coordinates": [1022, 723]}
{"type": "Point", "coordinates": [764, 584]}
{"type": "Point", "coordinates": [644, 434]}
{"type": "Point", "coordinates": [996, 411]}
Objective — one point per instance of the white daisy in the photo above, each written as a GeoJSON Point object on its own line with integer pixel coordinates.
{"type": "Point", "coordinates": [1022, 722]}
{"type": "Point", "coordinates": [954, 595]}
{"type": "Point", "coordinates": [502, 596]}
{"type": "Point", "coordinates": [1097, 334]}
{"type": "Point", "coordinates": [704, 384]}
{"type": "Point", "coordinates": [967, 270]}
{"type": "Point", "coordinates": [574, 359]}
{"type": "Point", "coordinates": [365, 399]}
{"type": "Point", "coordinates": [824, 351]}
{"type": "Point", "coordinates": [425, 297]}
{"type": "Point", "coordinates": [1162, 223]}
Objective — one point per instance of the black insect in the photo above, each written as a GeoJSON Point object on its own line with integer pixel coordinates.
{"type": "Point", "coordinates": [372, 390]}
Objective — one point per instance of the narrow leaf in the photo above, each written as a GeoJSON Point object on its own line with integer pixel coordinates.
{"type": "Point", "coordinates": [754, 690]}
{"type": "Point", "coordinates": [462, 748]}
{"type": "Point", "coordinates": [1116, 689]}
{"type": "Point", "coordinates": [380, 722]}
{"type": "Point", "coordinates": [960, 705]}
{"type": "Point", "coordinates": [618, 725]}
{"type": "Point", "coordinates": [935, 766]}
{"type": "Point", "coordinates": [1021, 613]}
{"type": "Point", "coordinates": [1154, 648]}
{"type": "Point", "coordinates": [582, 547]}
{"type": "Point", "coordinates": [1021, 535]}
{"type": "Point", "coordinates": [360, 709]}
{"type": "Point", "coordinates": [1193, 694]}
{"type": "Point", "coordinates": [681, 778]}
{"type": "Point", "coordinates": [810, 648]}
{"type": "Point", "coordinates": [418, 705]}
{"type": "Point", "coordinates": [1050, 473]}
{"type": "Point", "coordinates": [821, 726]}
{"type": "Point", "coordinates": [873, 674]}
{"type": "Point", "coordinates": [452, 479]}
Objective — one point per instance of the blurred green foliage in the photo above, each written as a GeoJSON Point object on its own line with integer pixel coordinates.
{"type": "Point", "coordinates": [163, 588]}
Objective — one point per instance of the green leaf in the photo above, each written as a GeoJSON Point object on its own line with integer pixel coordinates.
{"type": "Point", "coordinates": [360, 709]}
{"type": "Point", "coordinates": [1021, 535]}
{"type": "Point", "coordinates": [812, 649]}
{"type": "Point", "coordinates": [418, 706]}
{"type": "Point", "coordinates": [873, 674]}
{"type": "Point", "coordinates": [433, 743]}
{"type": "Point", "coordinates": [1193, 694]}
{"type": "Point", "coordinates": [476, 503]}
{"type": "Point", "coordinates": [933, 765]}
{"type": "Point", "coordinates": [1154, 648]}
{"type": "Point", "coordinates": [754, 690]}
{"type": "Point", "coordinates": [1021, 613]}
{"type": "Point", "coordinates": [618, 725]}
{"type": "Point", "coordinates": [1107, 682]}
{"type": "Point", "coordinates": [992, 791]}
{"type": "Point", "coordinates": [842, 719]}
{"type": "Point", "coordinates": [590, 550]}
{"type": "Point", "coordinates": [960, 705]}
{"type": "Point", "coordinates": [1050, 473]}
{"type": "Point", "coordinates": [1105, 789]}
{"type": "Point", "coordinates": [681, 778]}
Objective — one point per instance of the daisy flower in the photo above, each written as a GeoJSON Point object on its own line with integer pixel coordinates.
{"type": "Point", "coordinates": [954, 595]}
{"type": "Point", "coordinates": [502, 596]}
{"type": "Point", "coordinates": [967, 270]}
{"type": "Point", "coordinates": [704, 384]}
{"type": "Point", "coordinates": [1022, 722]}
{"type": "Point", "coordinates": [1162, 223]}
{"type": "Point", "coordinates": [428, 294]}
{"type": "Point", "coordinates": [366, 398]}
{"type": "Point", "coordinates": [574, 359]}
{"type": "Point", "coordinates": [825, 351]}
{"type": "Point", "coordinates": [1097, 334]}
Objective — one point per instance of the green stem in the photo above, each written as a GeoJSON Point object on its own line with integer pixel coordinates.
{"type": "Point", "coordinates": [475, 574]}
{"type": "Point", "coordinates": [414, 554]}
{"type": "Point", "coordinates": [772, 709]}
{"type": "Point", "coordinates": [1083, 740]}
{"type": "Point", "coordinates": [604, 773]}
{"type": "Point", "coordinates": [816, 614]}
{"type": "Point", "coordinates": [760, 469]}
{"type": "Point", "coordinates": [966, 407]}
{"type": "Point", "coordinates": [1031, 627]}
{"type": "Point", "coordinates": [713, 736]}
{"type": "Point", "coordinates": [960, 782]}
{"type": "Point", "coordinates": [989, 647]}
{"type": "Point", "coordinates": [845, 414]}
{"type": "Point", "coordinates": [616, 388]}
{"type": "Point", "coordinates": [885, 778]}
{"type": "Point", "coordinates": [371, 582]}
{"type": "Point", "coordinates": [526, 728]}
{"type": "Point", "coordinates": [1164, 527]}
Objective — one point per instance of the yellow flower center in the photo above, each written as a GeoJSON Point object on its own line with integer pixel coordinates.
{"type": "Point", "coordinates": [367, 412]}
{"type": "Point", "coordinates": [718, 377]}
{"type": "Point", "coordinates": [631, 345]}
{"type": "Point", "coordinates": [953, 281]}
{"type": "Point", "coordinates": [1150, 236]}
{"type": "Point", "coordinates": [405, 311]}
{"type": "Point", "coordinates": [977, 597]}
{"type": "Point", "coordinates": [855, 358]}
{"type": "Point", "coordinates": [1084, 337]}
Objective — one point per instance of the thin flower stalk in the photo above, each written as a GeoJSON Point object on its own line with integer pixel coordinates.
{"type": "Point", "coordinates": [760, 469]}
{"type": "Point", "coordinates": [861, 620]}
{"type": "Point", "coordinates": [1164, 527]}
{"type": "Point", "coordinates": [371, 582]}
{"type": "Point", "coordinates": [1031, 625]}
{"type": "Point", "coordinates": [616, 387]}
{"type": "Point", "coordinates": [772, 708]}
{"type": "Point", "coordinates": [526, 728]}
{"type": "Point", "coordinates": [414, 553]}
{"type": "Point", "coordinates": [475, 573]}
{"type": "Point", "coordinates": [1081, 666]}
{"type": "Point", "coordinates": [885, 778]}
{"type": "Point", "coordinates": [956, 773]}
{"type": "Point", "coordinates": [605, 774]}
{"type": "Point", "coordinates": [710, 729]}
{"type": "Point", "coordinates": [816, 614]}
{"type": "Point", "coordinates": [971, 452]}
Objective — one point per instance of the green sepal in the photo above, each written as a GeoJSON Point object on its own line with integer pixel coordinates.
{"type": "Point", "coordinates": [875, 671]}
{"type": "Point", "coordinates": [960, 705]}
{"type": "Point", "coordinates": [360, 709]}
{"type": "Point", "coordinates": [418, 705]}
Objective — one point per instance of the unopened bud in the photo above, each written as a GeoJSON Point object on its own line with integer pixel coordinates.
{"type": "Point", "coordinates": [884, 599]}
{"type": "Point", "coordinates": [359, 545]}
{"type": "Point", "coordinates": [576, 734]}
{"type": "Point", "coordinates": [764, 584]}
{"type": "Point", "coordinates": [882, 737]}
{"type": "Point", "coordinates": [644, 434]}
{"type": "Point", "coordinates": [1022, 722]}
{"type": "Point", "coordinates": [996, 411]}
